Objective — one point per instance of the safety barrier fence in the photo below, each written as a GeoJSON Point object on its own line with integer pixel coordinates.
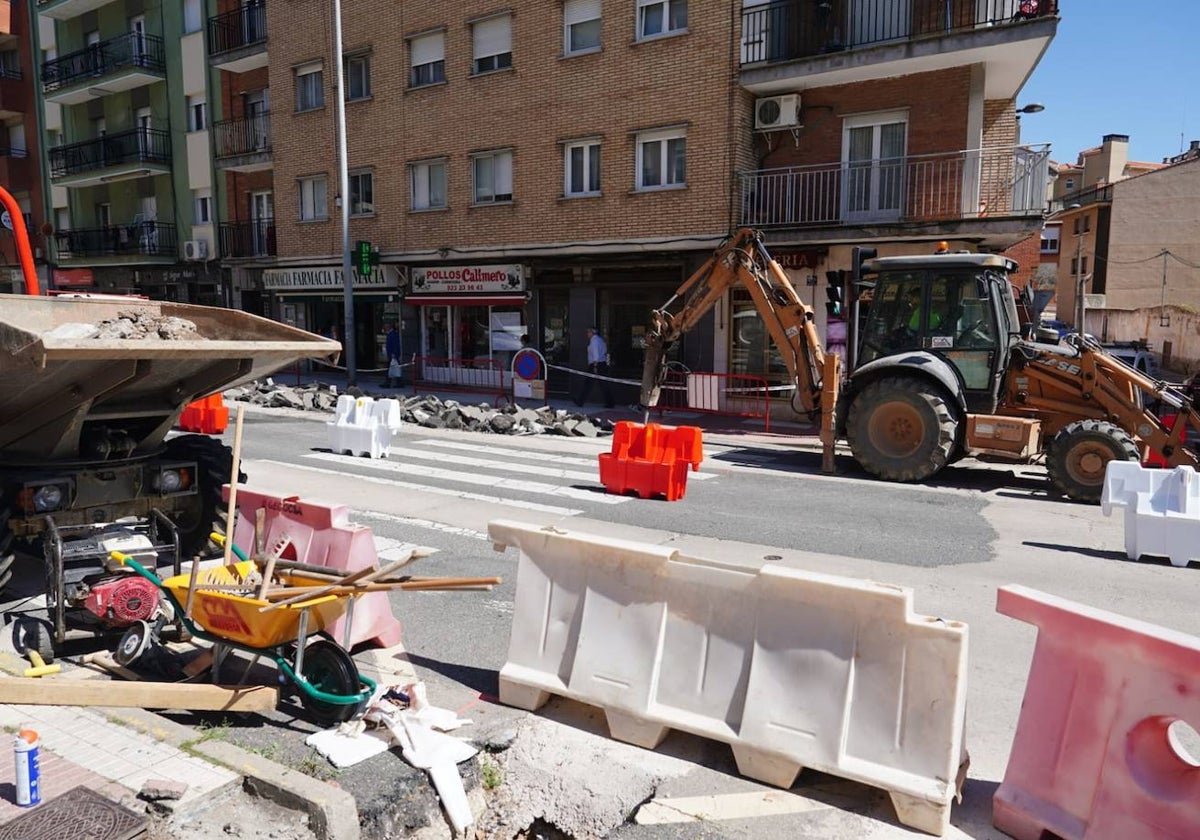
{"type": "Point", "coordinates": [733, 394]}
{"type": "Point", "coordinates": [447, 374]}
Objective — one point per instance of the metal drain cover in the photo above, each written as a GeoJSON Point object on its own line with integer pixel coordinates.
{"type": "Point", "coordinates": [80, 814]}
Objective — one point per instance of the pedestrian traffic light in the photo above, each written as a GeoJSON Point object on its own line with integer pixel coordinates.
{"type": "Point", "coordinates": [365, 258]}
{"type": "Point", "coordinates": [835, 290]}
{"type": "Point", "coordinates": [860, 256]}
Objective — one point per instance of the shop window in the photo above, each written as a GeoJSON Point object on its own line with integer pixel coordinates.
{"type": "Point", "coordinates": [751, 351]}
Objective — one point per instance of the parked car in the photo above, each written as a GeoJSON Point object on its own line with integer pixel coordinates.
{"type": "Point", "coordinates": [1136, 354]}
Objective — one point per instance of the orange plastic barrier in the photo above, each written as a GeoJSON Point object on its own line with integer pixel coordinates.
{"type": "Point", "coordinates": [208, 416]}
{"type": "Point", "coordinates": [651, 460]}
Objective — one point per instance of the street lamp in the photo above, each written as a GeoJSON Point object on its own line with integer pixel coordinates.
{"type": "Point", "coordinates": [348, 332]}
{"type": "Point", "coordinates": [1031, 108]}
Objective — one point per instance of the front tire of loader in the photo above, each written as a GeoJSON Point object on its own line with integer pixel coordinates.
{"type": "Point", "coordinates": [214, 461]}
{"type": "Point", "coordinates": [901, 429]}
{"type": "Point", "coordinates": [1079, 454]}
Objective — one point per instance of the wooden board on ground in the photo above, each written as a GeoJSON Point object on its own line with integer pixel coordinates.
{"type": "Point", "coordinates": [141, 695]}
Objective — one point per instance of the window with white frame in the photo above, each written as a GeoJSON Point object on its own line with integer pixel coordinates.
{"type": "Point", "coordinates": [197, 111]}
{"type": "Point", "coordinates": [491, 174]}
{"type": "Point", "coordinates": [202, 200]}
{"type": "Point", "coordinates": [581, 163]}
{"type": "Point", "coordinates": [581, 26]}
{"type": "Point", "coordinates": [492, 40]}
{"type": "Point", "coordinates": [193, 15]}
{"type": "Point", "coordinates": [312, 198]}
{"type": "Point", "coordinates": [358, 77]}
{"type": "Point", "coordinates": [1050, 239]}
{"type": "Point", "coordinates": [310, 86]}
{"type": "Point", "coordinates": [428, 184]}
{"type": "Point", "coordinates": [362, 193]}
{"type": "Point", "coordinates": [427, 59]}
{"type": "Point", "coordinates": [661, 159]}
{"type": "Point", "coordinates": [661, 17]}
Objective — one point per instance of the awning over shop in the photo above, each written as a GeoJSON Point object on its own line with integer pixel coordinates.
{"type": "Point", "coordinates": [466, 300]}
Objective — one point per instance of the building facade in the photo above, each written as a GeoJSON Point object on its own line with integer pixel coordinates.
{"type": "Point", "coordinates": [121, 87]}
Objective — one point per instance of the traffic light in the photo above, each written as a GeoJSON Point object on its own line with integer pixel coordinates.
{"type": "Point", "coordinates": [835, 290]}
{"type": "Point", "coordinates": [365, 258]}
{"type": "Point", "coordinates": [860, 256]}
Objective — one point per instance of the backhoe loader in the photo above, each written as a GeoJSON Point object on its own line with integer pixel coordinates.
{"type": "Point", "coordinates": [941, 371]}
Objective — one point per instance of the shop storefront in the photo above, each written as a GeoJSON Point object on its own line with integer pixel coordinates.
{"type": "Point", "coordinates": [313, 299]}
{"type": "Point", "coordinates": [468, 316]}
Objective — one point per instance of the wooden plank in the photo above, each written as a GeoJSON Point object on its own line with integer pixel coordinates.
{"type": "Point", "coordinates": [141, 695]}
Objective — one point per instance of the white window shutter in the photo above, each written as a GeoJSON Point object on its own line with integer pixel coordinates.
{"type": "Point", "coordinates": [311, 67]}
{"type": "Point", "coordinates": [503, 173]}
{"type": "Point", "coordinates": [578, 11]}
{"type": "Point", "coordinates": [493, 36]}
{"type": "Point", "coordinates": [428, 49]}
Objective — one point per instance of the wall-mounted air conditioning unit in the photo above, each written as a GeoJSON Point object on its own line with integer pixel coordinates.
{"type": "Point", "coordinates": [772, 112]}
{"type": "Point", "coordinates": [195, 249]}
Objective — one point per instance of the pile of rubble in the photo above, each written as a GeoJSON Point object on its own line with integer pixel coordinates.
{"type": "Point", "coordinates": [135, 326]}
{"type": "Point", "coordinates": [431, 412]}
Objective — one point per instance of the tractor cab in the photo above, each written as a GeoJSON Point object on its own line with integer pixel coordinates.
{"type": "Point", "coordinates": [957, 307]}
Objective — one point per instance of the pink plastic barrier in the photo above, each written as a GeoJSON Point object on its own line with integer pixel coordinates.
{"type": "Point", "coordinates": [1098, 752]}
{"type": "Point", "coordinates": [321, 534]}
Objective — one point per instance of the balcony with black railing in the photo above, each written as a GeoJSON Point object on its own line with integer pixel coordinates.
{"type": "Point", "coordinates": [246, 240]}
{"type": "Point", "coordinates": [243, 144]}
{"type": "Point", "coordinates": [986, 185]}
{"type": "Point", "coordinates": [118, 64]}
{"type": "Point", "coordinates": [114, 157]}
{"type": "Point", "coordinates": [1082, 198]}
{"type": "Point", "coordinates": [237, 40]}
{"type": "Point", "coordinates": [812, 33]}
{"type": "Point", "coordinates": [135, 240]}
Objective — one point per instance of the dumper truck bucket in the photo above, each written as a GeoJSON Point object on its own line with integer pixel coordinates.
{"type": "Point", "coordinates": [60, 375]}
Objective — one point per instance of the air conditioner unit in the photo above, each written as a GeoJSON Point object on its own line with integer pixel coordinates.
{"type": "Point", "coordinates": [777, 112]}
{"type": "Point", "coordinates": [195, 249]}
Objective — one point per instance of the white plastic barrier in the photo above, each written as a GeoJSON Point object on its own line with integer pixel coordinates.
{"type": "Point", "coordinates": [364, 426]}
{"type": "Point", "coordinates": [793, 669]}
{"type": "Point", "coordinates": [1162, 509]}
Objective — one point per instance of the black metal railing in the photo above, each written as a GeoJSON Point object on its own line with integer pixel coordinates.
{"type": "Point", "coordinates": [150, 239]}
{"type": "Point", "coordinates": [1082, 198]}
{"type": "Point", "coordinates": [7, 150]}
{"type": "Point", "coordinates": [969, 184]}
{"type": "Point", "coordinates": [247, 239]}
{"type": "Point", "coordinates": [243, 136]}
{"type": "Point", "coordinates": [242, 27]}
{"type": "Point", "coordinates": [789, 29]}
{"type": "Point", "coordinates": [139, 145]}
{"type": "Point", "coordinates": [11, 73]}
{"type": "Point", "coordinates": [133, 50]}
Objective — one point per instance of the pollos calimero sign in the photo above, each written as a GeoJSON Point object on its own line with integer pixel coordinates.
{"type": "Point", "coordinates": [467, 279]}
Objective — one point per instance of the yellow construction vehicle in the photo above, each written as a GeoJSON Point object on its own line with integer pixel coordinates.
{"type": "Point", "coordinates": [940, 369]}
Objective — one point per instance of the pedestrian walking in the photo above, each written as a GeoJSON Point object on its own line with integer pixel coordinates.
{"type": "Point", "coordinates": [597, 357]}
{"type": "Point", "coordinates": [391, 346]}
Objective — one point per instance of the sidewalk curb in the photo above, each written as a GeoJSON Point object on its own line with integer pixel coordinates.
{"type": "Point", "coordinates": [332, 812]}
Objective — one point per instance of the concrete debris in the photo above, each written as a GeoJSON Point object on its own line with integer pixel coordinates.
{"type": "Point", "coordinates": [145, 326]}
{"type": "Point", "coordinates": [155, 789]}
{"type": "Point", "coordinates": [432, 412]}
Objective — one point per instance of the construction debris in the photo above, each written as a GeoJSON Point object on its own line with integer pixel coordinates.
{"type": "Point", "coordinates": [432, 412]}
{"type": "Point", "coordinates": [147, 326]}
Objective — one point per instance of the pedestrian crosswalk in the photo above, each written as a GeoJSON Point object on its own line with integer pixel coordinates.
{"type": "Point", "coordinates": [561, 479]}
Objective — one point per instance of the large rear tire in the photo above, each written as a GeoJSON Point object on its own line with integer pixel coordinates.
{"type": "Point", "coordinates": [901, 429]}
{"type": "Point", "coordinates": [214, 461]}
{"type": "Point", "coordinates": [1079, 454]}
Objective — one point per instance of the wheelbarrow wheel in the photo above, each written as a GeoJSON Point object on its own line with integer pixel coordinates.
{"type": "Point", "coordinates": [328, 668]}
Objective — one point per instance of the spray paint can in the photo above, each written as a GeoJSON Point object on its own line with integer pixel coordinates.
{"type": "Point", "coordinates": [28, 779]}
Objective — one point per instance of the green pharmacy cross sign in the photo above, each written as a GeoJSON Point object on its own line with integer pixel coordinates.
{"type": "Point", "coordinates": [365, 258]}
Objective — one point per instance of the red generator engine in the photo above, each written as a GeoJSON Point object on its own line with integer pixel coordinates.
{"type": "Point", "coordinates": [121, 600]}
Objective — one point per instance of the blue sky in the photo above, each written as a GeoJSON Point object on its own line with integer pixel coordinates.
{"type": "Point", "coordinates": [1117, 68]}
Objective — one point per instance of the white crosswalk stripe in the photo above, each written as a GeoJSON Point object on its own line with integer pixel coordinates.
{"type": "Point", "coordinates": [532, 455]}
{"type": "Point", "coordinates": [496, 482]}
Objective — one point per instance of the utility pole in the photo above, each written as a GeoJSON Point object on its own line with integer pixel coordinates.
{"type": "Point", "coordinates": [344, 194]}
{"type": "Point", "coordinates": [1080, 280]}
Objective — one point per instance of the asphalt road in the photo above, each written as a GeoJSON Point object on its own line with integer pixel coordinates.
{"type": "Point", "coordinates": [953, 542]}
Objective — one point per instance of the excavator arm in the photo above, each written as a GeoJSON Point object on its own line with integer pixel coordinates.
{"type": "Point", "coordinates": [741, 259]}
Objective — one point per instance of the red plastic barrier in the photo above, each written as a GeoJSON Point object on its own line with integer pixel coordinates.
{"type": "Point", "coordinates": [321, 534]}
{"type": "Point", "coordinates": [208, 416]}
{"type": "Point", "coordinates": [1098, 752]}
{"type": "Point", "coordinates": [651, 460]}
